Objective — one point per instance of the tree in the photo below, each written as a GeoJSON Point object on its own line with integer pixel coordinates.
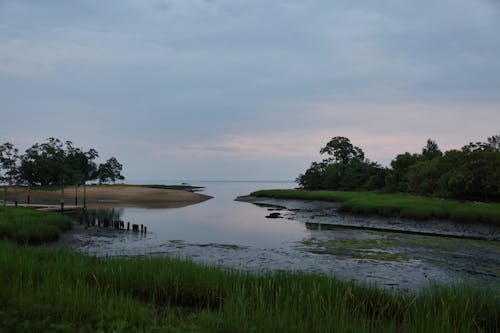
{"type": "Point", "coordinates": [83, 164]}
{"type": "Point", "coordinates": [494, 142]}
{"type": "Point", "coordinates": [312, 179]}
{"type": "Point", "coordinates": [423, 177]}
{"type": "Point", "coordinates": [45, 164]}
{"type": "Point", "coordinates": [9, 158]}
{"type": "Point", "coordinates": [346, 169]}
{"type": "Point", "coordinates": [476, 177]}
{"type": "Point", "coordinates": [110, 171]}
{"type": "Point", "coordinates": [431, 150]}
{"type": "Point", "coordinates": [397, 178]}
{"type": "Point", "coordinates": [342, 151]}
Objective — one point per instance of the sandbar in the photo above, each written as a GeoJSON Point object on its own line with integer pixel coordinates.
{"type": "Point", "coordinates": [110, 196]}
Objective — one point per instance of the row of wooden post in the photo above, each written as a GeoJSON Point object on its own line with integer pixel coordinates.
{"type": "Point", "coordinates": [28, 198]}
{"type": "Point", "coordinates": [135, 227]}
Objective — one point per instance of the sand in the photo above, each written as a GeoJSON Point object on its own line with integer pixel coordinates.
{"type": "Point", "coordinates": [111, 196]}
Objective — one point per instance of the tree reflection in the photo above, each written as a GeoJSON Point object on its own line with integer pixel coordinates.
{"type": "Point", "coordinates": [102, 217]}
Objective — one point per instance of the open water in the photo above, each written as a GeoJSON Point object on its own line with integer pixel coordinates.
{"type": "Point", "coordinates": [310, 237]}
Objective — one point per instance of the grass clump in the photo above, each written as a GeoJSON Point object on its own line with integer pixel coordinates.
{"type": "Point", "coordinates": [397, 204]}
{"type": "Point", "coordinates": [47, 290]}
{"type": "Point", "coordinates": [27, 226]}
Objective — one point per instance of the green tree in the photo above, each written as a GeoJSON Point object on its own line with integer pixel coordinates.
{"type": "Point", "coordinates": [345, 169]}
{"type": "Point", "coordinates": [312, 179]}
{"type": "Point", "coordinates": [397, 178]}
{"type": "Point", "coordinates": [9, 160]}
{"type": "Point", "coordinates": [110, 171]}
{"type": "Point", "coordinates": [45, 164]}
{"type": "Point", "coordinates": [423, 177]}
{"type": "Point", "coordinates": [342, 151]}
{"type": "Point", "coordinates": [494, 142]}
{"type": "Point", "coordinates": [431, 150]}
{"type": "Point", "coordinates": [477, 177]}
{"type": "Point", "coordinates": [85, 168]}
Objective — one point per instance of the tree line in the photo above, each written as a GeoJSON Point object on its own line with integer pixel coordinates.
{"type": "Point", "coordinates": [469, 173]}
{"type": "Point", "coordinates": [54, 163]}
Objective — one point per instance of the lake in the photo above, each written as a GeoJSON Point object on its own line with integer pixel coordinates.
{"type": "Point", "coordinates": [311, 237]}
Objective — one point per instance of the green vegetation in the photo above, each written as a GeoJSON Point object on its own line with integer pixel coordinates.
{"type": "Point", "coordinates": [397, 204]}
{"type": "Point", "coordinates": [472, 173]}
{"type": "Point", "coordinates": [53, 163]}
{"type": "Point", "coordinates": [375, 249]}
{"type": "Point", "coordinates": [27, 226]}
{"type": "Point", "coordinates": [54, 290]}
{"type": "Point", "coordinates": [394, 247]}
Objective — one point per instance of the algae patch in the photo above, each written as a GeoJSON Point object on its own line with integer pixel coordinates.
{"type": "Point", "coordinates": [382, 248]}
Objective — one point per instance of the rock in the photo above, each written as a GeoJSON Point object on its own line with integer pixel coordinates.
{"type": "Point", "coordinates": [274, 216]}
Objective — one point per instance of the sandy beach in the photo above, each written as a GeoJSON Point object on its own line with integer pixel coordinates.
{"type": "Point", "coordinates": [110, 195]}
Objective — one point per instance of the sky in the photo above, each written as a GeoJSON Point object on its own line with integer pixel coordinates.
{"type": "Point", "coordinates": [233, 89]}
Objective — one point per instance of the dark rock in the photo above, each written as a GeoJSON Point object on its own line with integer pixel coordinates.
{"type": "Point", "coordinates": [274, 216]}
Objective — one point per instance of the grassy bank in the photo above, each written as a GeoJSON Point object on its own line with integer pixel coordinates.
{"type": "Point", "coordinates": [54, 290]}
{"type": "Point", "coordinates": [27, 226]}
{"type": "Point", "coordinates": [397, 204]}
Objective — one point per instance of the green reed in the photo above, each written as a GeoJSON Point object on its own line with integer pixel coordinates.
{"type": "Point", "coordinates": [56, 290]}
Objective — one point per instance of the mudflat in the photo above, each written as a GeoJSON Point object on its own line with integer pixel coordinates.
{"type": "Point", "coordinates": [110, 196]}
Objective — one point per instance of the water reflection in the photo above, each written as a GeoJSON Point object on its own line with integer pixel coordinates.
{"type": "Point", "coordinates": [225, 232]}
{"type": "Point", "coordinates": [102, 217]}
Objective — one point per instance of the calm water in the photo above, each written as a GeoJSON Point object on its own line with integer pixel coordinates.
{"type": "Point", "coordinates": [236, 234]}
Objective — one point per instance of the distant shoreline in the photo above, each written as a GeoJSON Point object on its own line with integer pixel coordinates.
{"type": "Point", "coordinates": [111, 196]}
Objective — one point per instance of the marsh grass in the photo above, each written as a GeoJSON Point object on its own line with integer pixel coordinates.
{"type": "Point", "coordinates": [27, 226]}
{"type": "Point", "coordinates": [398, 204]}
{"type": "Point", "coordinates": [54, 290]}
{"type": "Point", "coordinates": [49, 289]}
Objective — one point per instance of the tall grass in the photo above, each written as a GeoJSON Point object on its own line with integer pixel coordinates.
{"type": "Point", "coordinates": [397, 204]}
{"type": "Point", "coordinates": [25, 225]}
{"type": "Point", "coordinates": [54, 290]}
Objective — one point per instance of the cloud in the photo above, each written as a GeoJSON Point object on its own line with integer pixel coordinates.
{"type": "Point", "coordinates": [249, 80]}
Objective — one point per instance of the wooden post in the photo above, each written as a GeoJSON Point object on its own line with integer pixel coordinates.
{"type": "Point", "coordinates": [84, 195]}
{"type": "Point", "coordinates": [128, 225]}
{"type": "Point", "coordinates": [145, 229]}
{"type": "Point", "coordinates": [76, 194]}
{"type": "Point", "coordinates": [62, 197]}
{"type": "Point", "coordinates": [142, 228]}
{"type": "Point", "coordinates": [15, 195]}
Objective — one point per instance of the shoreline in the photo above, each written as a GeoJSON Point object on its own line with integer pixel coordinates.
{"type": "Point", "coordinates": [322, 214]}
{"type": "Point", "coordinates": [401, 205]}
{"type": "Point", "coordinates": [102, 196]}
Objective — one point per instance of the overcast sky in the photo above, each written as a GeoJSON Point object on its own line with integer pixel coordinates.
{"type": "Point", "coordinates": [233, 89]}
